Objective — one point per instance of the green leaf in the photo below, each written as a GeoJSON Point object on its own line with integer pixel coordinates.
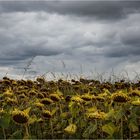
{"type": "Point", "coordinates": [109, 128]}
{"type": "Point", "coordinates": [16, 135]}
{"type": "Point", "coordinates": [90, 130]}
{"type": "Point", "coordinates": [110, 114]}
{"type": "Point", "coordinates": [119, 114]}
{"type": "Point", "coordinates": [133, 126]}
{"type": "Point", "coordinates": [5, 120]}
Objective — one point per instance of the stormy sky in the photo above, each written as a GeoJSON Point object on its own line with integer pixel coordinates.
{"type": "Point", "coordinates": [90, 38]}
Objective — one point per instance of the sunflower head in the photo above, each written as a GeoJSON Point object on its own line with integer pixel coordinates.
{"type": "Point", "coordinates": [55, 97]}
{"type": "Point", "coordinates": [7, 82]}
{"type": "Point", "coordinates": [21, 117]}
{"type": "Point", "coordinates": [46, 101]}
{"type": "Point", "coordinates": [77, 99]}
{"type": "Point", "coordinates": [87, 97]}
{"type": "Point", "coordinates": [22, 96]}
{"type": "Point", "coordinates": [120, 97]}
{"type": "Point", "coordinates": [96, 115]}
{"type": "Point", "coordinates": [32, 93]}
{"type": "Point", "coordinates": [68, 98]}
{"type": "Point", "coordinates": [21, 82]}
{"type": "Point", "coordinates": [136, 103]}
{"type": "Point", "coordinates": [46, 114]}
{"type": "Point", "coordinates": [134, 93]}
{"type": "Point", "coordinates": [14, 83]}
{"type": "Point", "coordinates": [39, 105]}
{"type": "Point", "coordinates": [66, 115]}
{"type": "Point", "coordinates": [40, 95]}
{"type": "Point", "coordinates": [11, 101]}
{"type": "Point", "coordinates": [40, 79]}
{"type": "Point", "coordinates": [100, 98]}
{"type": "Point", "coordinates": [70, 129]}
{"type": "Point", "coordinates": [8, 93]}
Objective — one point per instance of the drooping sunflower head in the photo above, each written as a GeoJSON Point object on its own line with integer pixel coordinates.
{"type": "Point", "coordinates": [77, 99]}
{"type": "Point", "coordinates": [14, 83]}
{"type": "Point", "coordinates": [100, 98]}
{"type": "Point", "coordinates": [11, 101]}
{"type": "Point", "coordinates": [70, 129]}
{"type": "Point", "coordinates": [20, 117]}
{"type": "Point", "coordinates": [96, 115]}
{"type": "Point", "coordinates": [8, 93]}
{"type": "Point", "coordinates": [32, 93]}
{"type": "Point", "coordinates": [55, 97]}
{"type": "Point", "coordinates": [29, 83]}
{"type": "Point", "coordinates": [87, 97]}
{"type": "Point", "coordinates": [120, 97]}
{"type": "Point", "coordinates": [68, 98]}
{"type": "Point", "coordinates": [40, 79]}
{"type": "Point", "coordinates": [136, 103]}
{"type": "Point", "coordinates": [7, 82]}
{"type": "Point", "coordinates": [40, 95]}
{"type": "Point", "coordinates": [22, 96]}
{"type": "Point", "coordinates": [46, 101]}
{"type": "Point", "coordinates": [38, 105]}
{"type": "Point", "coordinates": [46, 114]}
{"type": "Point", "coordinates": [21, 82]}
{"type": "Point", "coordinates": [134, 93]}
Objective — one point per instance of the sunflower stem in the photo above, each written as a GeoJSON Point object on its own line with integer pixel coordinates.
{"type": "Point", "coordinates": [4, 134]}
{"type": "Point", "coordinates": [26, 136]}
{"type": "Point", "coordinates": [51, 125]}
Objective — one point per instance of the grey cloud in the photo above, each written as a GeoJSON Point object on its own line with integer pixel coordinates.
{"type": "Point", "coordinates": [98, 9]}
{"type": "Point", "coordinates": [53, 37]}
{"type": "Point", "coordinates": [131, 36]}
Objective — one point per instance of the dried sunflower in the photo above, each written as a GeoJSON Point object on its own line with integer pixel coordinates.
{"type": "Point", "coordinates": [100, 98]}
{"type": "Point", "coordinates": [136, 103]}
{"type": "Point", "coordinates": [21, 117]}
{"type": "Point", "coordinates": [68, 98]}
{"type": "Point", "coordinates": [46, 101]}
{"type": "Point", "coordinates": [96, 115]}
{"type": "Point", "coordinates": [46, 114]}
{"type": "Point", "coordinates": [39, 105]}
{"type": "Point", "coordinates": [134, 93]}
{"type": "Point", "coordinates": [77, 99]}
{"type": "Point", "coordinates": [71, 129]}
{"type": "Point", "coordinates": [11, 101]}
{"type": "Point", "coordinates": [120, 97]}
{"type": "Point", "coordinates": [87, 97]}
{"type": "Point", "coordinates": [40, 95]}
{"type": "Point", "coordinates": [8, 93]}
{"type": "Point", "coordinates": [32, 93]}
{"type": "Point", "coordinates": [7, 82]}
{"type": "Point", "coordinates": [55, 97]}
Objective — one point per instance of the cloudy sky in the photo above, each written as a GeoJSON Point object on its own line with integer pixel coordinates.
{"type": "Point", "coordinates": [70, 37]}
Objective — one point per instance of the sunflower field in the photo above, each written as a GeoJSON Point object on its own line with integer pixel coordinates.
{"type": "Point", "coordinates": [76, 109]}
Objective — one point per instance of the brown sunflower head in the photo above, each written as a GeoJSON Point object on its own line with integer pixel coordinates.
{"type": "Point", "coordinates": [120, 97]}
{"type": "Point", "coordinates": [46, 114]}
{"type": "Point", "coordinates": [134, 93]}
{"type": "Point", "coordinates": [96, 115]}
{"type": "Point", "coordinates": [46, 101]}
{"type": "Point", "coordinates": [87, 97]}
{"type": "Point", "coordinates": [40, 95]}
{"type": "Point", "coordinates": [55, 97]}
{"type": "Point", "coordinates": [20, 117]}
{"type": "Point", "coordinates": [40, 79]}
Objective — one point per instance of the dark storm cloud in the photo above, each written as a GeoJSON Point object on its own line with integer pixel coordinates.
{"type": "Point", "coordinates": [55, 31]}
{"type": "Point", "coordinates": [98, 9]}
